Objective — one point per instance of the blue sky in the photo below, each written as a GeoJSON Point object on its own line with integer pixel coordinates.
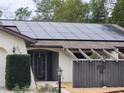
{"type": "Point", "coordinates": [9, 6]}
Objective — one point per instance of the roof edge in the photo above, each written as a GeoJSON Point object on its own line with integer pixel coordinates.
{"type": "Point", "coordinates": [79, 40]}
{"type": "Point", "coordinates": [17, 34]}
{"type": "Point", "coordinates": [51, 21]}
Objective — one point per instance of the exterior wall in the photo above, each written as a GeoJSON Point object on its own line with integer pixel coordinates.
{"type": "Point", "coordinates": [7, 42]}
{"type": "Point", "coordinates": [65, 62]}
{"type": "Point", "coordinates": [3, 54]}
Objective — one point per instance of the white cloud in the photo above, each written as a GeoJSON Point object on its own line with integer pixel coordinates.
{"type": "Point", "coordinates": [10, 6]}
{"type": "Point", "coordinates": [15, 4]}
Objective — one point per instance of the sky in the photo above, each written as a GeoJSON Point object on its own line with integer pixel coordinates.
{"type": "Point", "coordinates": [14, 4]}
{"type": "Point", "coordinates": [9, 6]}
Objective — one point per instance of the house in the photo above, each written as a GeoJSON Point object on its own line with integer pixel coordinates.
{"type": "Point", "coordinates": [90, 55]}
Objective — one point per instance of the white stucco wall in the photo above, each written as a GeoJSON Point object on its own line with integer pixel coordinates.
{"type": "Point", "coordinates": [65, 62]}
{"type": "Point", "coordinates": [3, 54]}
{"type": "Point", "coordinates": [7, 42]}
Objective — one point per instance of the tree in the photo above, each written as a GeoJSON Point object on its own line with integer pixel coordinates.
{"type": "Point", "coordinates": [69, 10]}
{"type": "Point", "coordinates": [22, 13]}
{"type": "Point", "coordinates": [44, 10]}
{"type": "Point", "coordinates": [1, 13]}
{"type": "Point", "coordinates": [98, 11]}
{"type": "Point", "coordinates": [118, 13]}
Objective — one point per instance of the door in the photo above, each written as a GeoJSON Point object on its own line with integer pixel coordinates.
{"type": "Point", "coordinates": [44, 65]}
{"type": "Point", "coordinates": [39, 66]}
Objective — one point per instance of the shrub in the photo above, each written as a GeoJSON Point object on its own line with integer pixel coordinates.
{"type": "Point", "coordinates": [94, 56]}
{"type": "Point", "coordinates": [17, 71]}
{"type": "Point", "coordinates": [18, 90]}
{"type": "Point", "coordinates": [47, 89]}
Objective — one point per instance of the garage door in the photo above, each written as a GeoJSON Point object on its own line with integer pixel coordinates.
{"type": "Point", "coordinates": [98, 74]}
{"type": "Point", "coordinates": [2, 66]}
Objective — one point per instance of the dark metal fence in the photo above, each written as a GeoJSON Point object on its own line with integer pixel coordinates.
{"type": "Point", "coordinates": [88, 74]}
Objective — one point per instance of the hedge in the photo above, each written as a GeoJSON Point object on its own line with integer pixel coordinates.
{"type": "Point", "coordinates": [17, 71]}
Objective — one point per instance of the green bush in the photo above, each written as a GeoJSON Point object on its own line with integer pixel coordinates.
{"type": "Point", "coordinates": [18, 71]}
{"type": "Point", "coordinates": [47, 89]}
{"type": "Point", "coordinates": [94, 56]}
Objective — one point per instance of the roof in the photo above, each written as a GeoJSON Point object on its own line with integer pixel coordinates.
{"type": "Point", "coordinates": [12, 32]}
{"type": "Point", "coordinates": [67, 31]}
{"type": "Point", "coordinates": [77, 44]}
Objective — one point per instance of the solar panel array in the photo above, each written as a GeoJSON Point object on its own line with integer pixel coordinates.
{"type": "Point", "coordinates": [67, 31]}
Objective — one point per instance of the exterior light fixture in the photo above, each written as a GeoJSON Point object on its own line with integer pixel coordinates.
{"type": "Point", "coordinates": [14, 50]}
{"type": "Point", "coordinates": [59, 79]}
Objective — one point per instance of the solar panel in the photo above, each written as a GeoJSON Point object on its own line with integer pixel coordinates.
{"type": "Point", "coordinates": [43, 36]}
{"type": "Point", "coordinates": [22, 26]}
{"type": "Point", "coordinates": [8, 23]}
{"type": "Point", "coordinates": [70, 27]}
{"type": "Point", "coordinates": [69, 36]}
{"type": "Point", "coordinates": [56, 35]}
{"type": "Point", "coordinates": [107, 37]}
{"type": "Point", "coordinates": [95, 37]}
{"type": "Point", "coordinates": [39, 32]}
{"type": "Point", "coordinates": [59, 30]}
{"type": "Point", "coordinates": [117, 37]}
{"type": "Point", "coordinates": [97, 28]}
{"type": "Point", "coordinates": [47, 27]}
{"type": "Point", "coordinates": [32, 35]}
{"type": "Point", "coordinates": [82, 28]}
{"type": "Point", "coordinates": [58, 27]}
{"type": "Point", "coordinates": [83, 36]}
{"type": "Point", "coordinates": [34, 26]}
{"type": "Point", "coordinates": [114, 32]}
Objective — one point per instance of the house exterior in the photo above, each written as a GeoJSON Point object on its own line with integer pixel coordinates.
{"type": "Point", "coordinates": [69, 46]}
